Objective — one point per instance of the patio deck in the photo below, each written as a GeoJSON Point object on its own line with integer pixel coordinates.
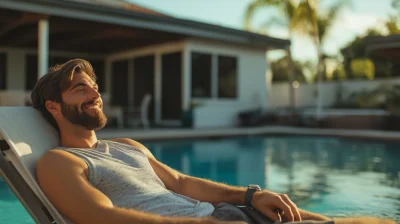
{"type": "Point", "coordinates": [170, 134]}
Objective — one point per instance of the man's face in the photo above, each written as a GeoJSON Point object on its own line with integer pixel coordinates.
{"type": "Point", "coordinates": [81, 103]}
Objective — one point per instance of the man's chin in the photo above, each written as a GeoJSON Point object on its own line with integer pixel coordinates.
{"type": "Point", "coordinates": [94, 127]}
{"type": "Point", "coordinates": [95, 122]}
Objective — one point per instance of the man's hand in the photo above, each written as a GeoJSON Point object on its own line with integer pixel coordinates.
{"type": "Point", "coordinates": [212, 220]}
{"type": "Point", "coordinates": [274, 205]}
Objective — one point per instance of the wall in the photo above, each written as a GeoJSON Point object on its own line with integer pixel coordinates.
{"type": "Point", "coordinates": [278, 94]}
{"type": "Point", "coordinates": [215, 112]}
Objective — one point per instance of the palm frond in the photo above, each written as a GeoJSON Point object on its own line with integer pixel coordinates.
{"type": "Point", "coordinates": [256, 4]}
{"type": "Point", "coordinates": [304, 21]}
{"type": "Point", "coordinates": [326, 21]}
{"type": "Point", "coordinates": [290, 8]}
{"type": "Point", "coordinates": [396, 4]}
{"type": "Point", "coordinates": [392, 25]}
{"type": "Point", "coordinates": [275, 21]}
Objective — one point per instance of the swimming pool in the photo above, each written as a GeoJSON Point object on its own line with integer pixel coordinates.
{"type": "Point", "coordinates": [332, 176]}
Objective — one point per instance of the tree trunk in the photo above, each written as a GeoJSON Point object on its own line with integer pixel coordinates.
{"type": "Point", "coordinates": [320, 68]}
{"type": "Point", "coordinates": [292, 101]}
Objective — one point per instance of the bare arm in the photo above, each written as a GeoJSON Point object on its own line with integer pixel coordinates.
{"type": "Point", "coordinates": [63, 178]}
{"type": "Point", "coordinates": [209, 191]}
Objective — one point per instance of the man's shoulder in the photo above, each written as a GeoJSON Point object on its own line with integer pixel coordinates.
{"type": "Point", "coordinates": [58, 159]}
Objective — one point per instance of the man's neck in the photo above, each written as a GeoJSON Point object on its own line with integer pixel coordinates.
{"type": "Point", "coordinates": [78, 137]}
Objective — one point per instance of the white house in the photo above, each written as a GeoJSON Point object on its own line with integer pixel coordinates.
{"type": "Point", "coordinates": [136, 51]}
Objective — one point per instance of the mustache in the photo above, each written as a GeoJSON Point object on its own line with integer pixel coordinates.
{"type": "Point", "coordinates": [93, 102]}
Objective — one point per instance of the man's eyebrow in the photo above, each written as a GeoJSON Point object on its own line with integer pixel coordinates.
{"type": "Point", "coordinates": [82, 84]}
{"type": "Point", "coordinates": [78, 85]}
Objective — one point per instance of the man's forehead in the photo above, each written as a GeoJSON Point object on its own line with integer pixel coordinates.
{"type": "Point", "coordinates": [81, 77]}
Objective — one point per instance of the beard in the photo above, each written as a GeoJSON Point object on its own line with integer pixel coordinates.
{"type": "Point", "coordinates": [79, 117]}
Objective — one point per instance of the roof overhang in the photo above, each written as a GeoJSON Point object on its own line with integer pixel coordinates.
{"type": "Point", "coordinates": [127, 18]}
{"type": "Point", "coordinates": [387, 47]}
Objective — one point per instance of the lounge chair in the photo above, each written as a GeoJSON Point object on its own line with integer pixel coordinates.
{"type": "Point", "coordinates": [24, 137]}
{"type": "Point", "coordinates": [111, 111]}
{"type": "Point", "coordinates": [140, 115]}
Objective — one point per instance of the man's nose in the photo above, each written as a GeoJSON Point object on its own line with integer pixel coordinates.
{"type": "Point", "coordinates": [95, 94]}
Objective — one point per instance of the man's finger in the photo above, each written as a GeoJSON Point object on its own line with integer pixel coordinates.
{"type": "Point", "coordinates": [285, 208]}
{"type": "Point", "coordinates": [271, 215]}
{"type": "Point", "coordinates": [295, 210]}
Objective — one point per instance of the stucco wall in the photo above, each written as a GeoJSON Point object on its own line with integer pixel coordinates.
{"type": "Point", "coordinates": [251, 92]}
{"type": "Point", "coordinates": [305, 94]}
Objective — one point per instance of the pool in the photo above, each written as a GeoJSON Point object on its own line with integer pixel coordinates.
{"type": "Point", "coordinates": [333, 176]}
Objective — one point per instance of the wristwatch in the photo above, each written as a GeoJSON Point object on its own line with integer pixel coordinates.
{"type": "Point", "coordinates": [251, 189]}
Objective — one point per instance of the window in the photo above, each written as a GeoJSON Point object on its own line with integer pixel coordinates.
{"type": "Point", "coordinates": [31, 70]}
{"type": "Point", "coordinates": [3, 71]}
{"type": "Point", "coordinates": [201, 75]}
{"type": "Point", "coordinates": [227, 77]}
{"type": "Point", "coordinates": [119, 86]}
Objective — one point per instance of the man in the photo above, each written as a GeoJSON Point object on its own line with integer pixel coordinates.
{"type": "Point", "coordinates": [120, 181]}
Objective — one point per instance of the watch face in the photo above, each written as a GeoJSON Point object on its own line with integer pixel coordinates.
{"type": "Point", "coordinates": [254, 186]}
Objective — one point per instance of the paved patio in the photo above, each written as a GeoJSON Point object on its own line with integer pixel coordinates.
{"type": "Point", "coordinates": [166, 134]}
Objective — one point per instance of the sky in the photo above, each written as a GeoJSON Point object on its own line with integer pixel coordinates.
{"type": "Point", "coordinates": [354, 20]}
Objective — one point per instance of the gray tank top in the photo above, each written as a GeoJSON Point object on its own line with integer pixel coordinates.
{"type": "Point", "coordinates": [124, 174]}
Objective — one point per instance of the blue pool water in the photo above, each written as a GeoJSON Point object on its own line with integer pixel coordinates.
{"type": "Point", "coordinates": [333, 176]}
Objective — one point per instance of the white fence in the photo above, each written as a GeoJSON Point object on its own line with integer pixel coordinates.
{"type": "Point", "coordinates": [278, 94]}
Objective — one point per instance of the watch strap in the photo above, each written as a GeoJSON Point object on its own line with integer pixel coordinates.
{"type": "Point", "coordinates": [251, 189]}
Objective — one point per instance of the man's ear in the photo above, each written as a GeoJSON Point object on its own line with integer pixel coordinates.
{"type": "Point", "coordinates": [53, 107]}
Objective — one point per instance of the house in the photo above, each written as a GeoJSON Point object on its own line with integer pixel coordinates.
{"type": "Point", "coordinates": [386, 47]}
{"type": "Point", "coordinates": [137, 51]}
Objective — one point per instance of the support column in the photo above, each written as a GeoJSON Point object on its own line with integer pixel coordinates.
{"type": "Point", "coordinates": [43, 47]}
{"type": "Point", "coordinates": [157, 88]}
{"type": "Point", "coordinates": [186, 79]}
{"type": "Point", "coordinates": [214, 76]}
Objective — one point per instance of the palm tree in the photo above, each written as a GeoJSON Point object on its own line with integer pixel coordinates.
{"type": "Point", "coordinates": [392, 24]}
{"type": "Point", "coordinates": [396, 4]}
{"type": "Point", "coordinates": [302, 18]}
{"type": "Point", "coordinates": [287, 7]}
{"type": "Point", "coordinates": [324, 23]}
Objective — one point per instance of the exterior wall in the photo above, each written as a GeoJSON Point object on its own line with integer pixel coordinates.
{"type": "Point", "coordinates": [216, 112]}
{"type": "Point", "coordinates": [305, 97]}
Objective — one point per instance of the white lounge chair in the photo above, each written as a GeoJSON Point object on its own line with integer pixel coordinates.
{"type": "Point", "coordinates": [140, 115]}
{"type": "Point", "coordinates": [112, 111]}
{"type": "Point", "coordinates": [24, 137]}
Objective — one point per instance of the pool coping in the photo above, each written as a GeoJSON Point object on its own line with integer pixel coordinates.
{"type": "Point", "coordinates": [177, 134]}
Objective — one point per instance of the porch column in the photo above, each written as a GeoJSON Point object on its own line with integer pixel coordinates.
{"type": "Point", "coordinates": [291, 78]}
{"type": "Point", "coordinates": [43, 45]}
{"type": "Point", "coordinates": [157, 87]}
{"type": "Point", "coordinates": [186, 79]}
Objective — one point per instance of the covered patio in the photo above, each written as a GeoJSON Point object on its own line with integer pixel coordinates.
{"type": "Point", "coordinates": [130, 47]}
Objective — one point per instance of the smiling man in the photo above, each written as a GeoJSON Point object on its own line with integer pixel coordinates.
{"type": "Point", "coordinates": [120, 181]}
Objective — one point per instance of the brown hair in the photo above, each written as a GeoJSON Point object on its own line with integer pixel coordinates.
{"type": "Point", "coordinates": [55, 82]}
